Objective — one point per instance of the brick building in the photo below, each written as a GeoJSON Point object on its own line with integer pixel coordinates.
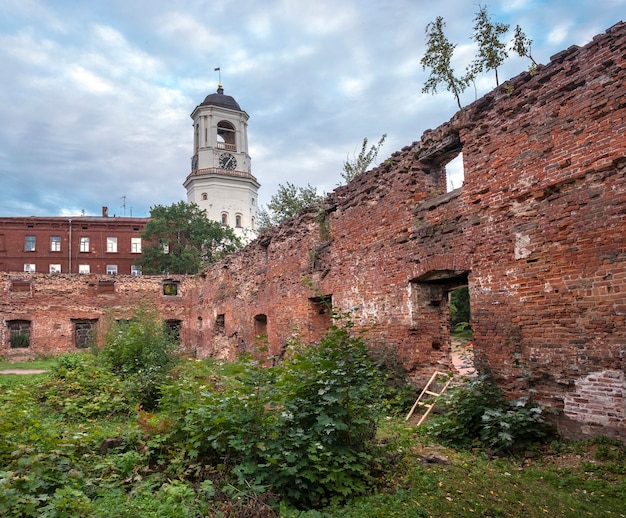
{"type": "Point", "coordinates": [86, 244]}
{"type": "Point", "coordinates": [537, 233]}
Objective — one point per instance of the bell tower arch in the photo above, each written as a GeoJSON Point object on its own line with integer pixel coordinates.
{"type": "Point", "coordinates": [221, 180]}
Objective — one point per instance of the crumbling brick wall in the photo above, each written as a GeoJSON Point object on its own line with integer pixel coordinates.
{"type": "Point", "coordinates": [537, 232]}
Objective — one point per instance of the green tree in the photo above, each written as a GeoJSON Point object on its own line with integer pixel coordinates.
{"type": "Point", "coordinates": [182, 240]}
{"type": "Point", "coordinates": [491, 50]}
{"type": "Point", "coordinates": [522, 45]}
{"type": "Point", "coordinates": [288, 201]}
{"type": "Point", "coordinates": [359, 164]}
{"type": "Point", "coordinates": [437, 58]}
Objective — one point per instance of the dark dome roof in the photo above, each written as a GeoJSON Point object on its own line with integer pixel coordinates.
{"type": "Point", "coordinates": [221, 100]}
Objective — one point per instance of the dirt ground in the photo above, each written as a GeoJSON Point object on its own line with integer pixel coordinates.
{"type": "Point", "coordinates": [22, 371]}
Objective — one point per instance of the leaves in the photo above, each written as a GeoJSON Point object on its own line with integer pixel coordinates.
{"type": "Point", "coordinates": [182, 240]}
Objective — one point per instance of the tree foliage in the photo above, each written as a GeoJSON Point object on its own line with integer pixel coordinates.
{"type": "Point", "coordinates": [491, 50]}
{"type": "Point", "coordinates": [438, 58]}
{"type": "Point", "coordinates": [522, 44]}
{"type": "Point", "coordinates": [182, 240]}
{"type": "Point", "coordinates": [359, 164]}
{"type": "Point", "coordinates": [288, 201]}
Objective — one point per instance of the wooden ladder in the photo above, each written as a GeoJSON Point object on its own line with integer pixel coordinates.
{"type": "Point", "coordinates": [426, 392]}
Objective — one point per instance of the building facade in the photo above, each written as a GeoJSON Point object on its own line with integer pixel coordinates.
{"type": "Point", "coordinates": [83, 245]}
{"type": "Point", "coordinates": [221, 181]}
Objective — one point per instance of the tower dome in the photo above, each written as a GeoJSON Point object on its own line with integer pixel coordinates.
{"type": "Point", "coordinates": [221, 100]}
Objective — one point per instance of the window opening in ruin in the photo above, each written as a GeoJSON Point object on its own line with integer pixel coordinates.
{"type": "Point", "coordinates": [106, 287]}
{"type": "Point", "coordinates": [84, 244]}
{"type": "Point", "coordinates": [170, 288]}
{"type": "Point", "coordinates": [55, 243]}
{"type": "Point", "coordinates": [84, 333]}
{"type": "Point", "coordinates": [19, 334]}
{"type": "Point", "coordinates": [29, 244]}
{"type": "Point", "coordinates": [320, 310]}
{"type": "Point", "coordinates": [172, 328]}
{"type": "Point", "coordinates": [455, 173]}
{"type": "Point", "coordinates": [226, 136]}
{"type": "Point", "coordinates": [20, 286]}
{"type": "Point", "coordinates": [260, 325]}
{"type": "Point", "coordinates": [220, 323]}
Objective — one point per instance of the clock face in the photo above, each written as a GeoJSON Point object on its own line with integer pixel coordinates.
{"type": "Point", "coordinates": [228, 161]}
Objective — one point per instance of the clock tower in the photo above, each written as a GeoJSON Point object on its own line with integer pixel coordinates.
{"type": "Point", "coordinates": [220, 180]}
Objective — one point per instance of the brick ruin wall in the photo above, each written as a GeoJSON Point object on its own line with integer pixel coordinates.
{"type": "Point", "coordinates": [537, 233]}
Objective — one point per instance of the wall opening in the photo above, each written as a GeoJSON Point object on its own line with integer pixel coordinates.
{"type": "Point", "coordinates": [260, 325]}
{"type": "Point", "coordinates": [19, 334]}
{"type": "Point", "coordinates": [220, 324]}
{"type": "Point", "coordinates": [320, 314]}
{"type": "Point", "coordinates": [84, 333]}
{"type": "Point", "coordinates": [430, 303]}
{"type": "Point", "coordinates": [170, 288]}
{"type": "Point", "coordinates": [455, 173]}
{"type": "Point", "coordinates": [172, 328]}
{"type": "Point", "coordinates": [106, 287]}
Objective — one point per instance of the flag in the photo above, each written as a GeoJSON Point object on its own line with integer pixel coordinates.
{"type": "Point", "coordinates": [216, 69]}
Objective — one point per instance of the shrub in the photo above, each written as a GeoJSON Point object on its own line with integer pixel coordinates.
{"type": "Point", "coordinates": [79, 388]}
{"type": "Point", "coordinates": [141, 352]}
{"type": "Point", "coordinates": [478, 414]}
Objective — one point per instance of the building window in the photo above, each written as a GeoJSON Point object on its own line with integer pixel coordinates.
{"type": "Point", "coordinates": [135, 245]}
{"type": "Point", "coordinates": [238, 220]}
{"type": "Point", "coordinates": [111, 269]}
{"type": "Point", "coordinates": [166, 246]}
{"type": "Point", "coordinates": [224, 219]}
{"type": "Point", "coordinates": [83, 269]}
{"type": "Point", "coordinates": [111, 244]}
{"type": "Point", "coordinates": [204, 196]}
{"type": "Point", "coordinates": [29, 268]}
{"type": "Point", "coordinates": [55, 268]}
{"type": "Point", "coordinates": [19, 334]}
{"type": "Point", "coordinates": [29, 244]}
{"type": "Point", "coordinates": [84, 331]}
{"type": "Point", "coordinates": [55, 244]}
{"type": "Point", "coordinates": [135, 269]}
{"type": "Point", "coordinates": [252, 223]}
{"type": "Point", "coordinates": [170, 288]}
{"type": "Point", "coordinates": [84, 244]}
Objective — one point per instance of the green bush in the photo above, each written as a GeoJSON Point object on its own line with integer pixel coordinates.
{"type": "Point", "coordinates": [478, 414]}
{"type": "Point", "coordinates": [79, 388]}
{"type": "Point", "coordinates": [141, 352]}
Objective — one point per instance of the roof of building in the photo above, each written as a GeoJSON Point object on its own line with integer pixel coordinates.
{"type": "Point", "coordinates": [221, 100]}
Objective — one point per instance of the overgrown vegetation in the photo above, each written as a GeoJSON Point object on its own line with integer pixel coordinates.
{"type": "Point", "coordinates": [134, 431]}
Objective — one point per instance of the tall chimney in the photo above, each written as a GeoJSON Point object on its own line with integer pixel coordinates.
{"type": "Point", "coordinates": [105, 212]}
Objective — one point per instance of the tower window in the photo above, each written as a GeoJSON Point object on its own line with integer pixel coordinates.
{"type": "Point", "coordinates": [226, 136]}
{"type": "Point", "coordinates": [224, 218]}
{"type": "Point", "coordinates": [204, 196]}
{"type": "Point", "coordinates": [238, 220]}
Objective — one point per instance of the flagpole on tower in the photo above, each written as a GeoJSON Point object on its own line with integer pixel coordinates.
{"type": "Point", "coordinates": [219, 74]}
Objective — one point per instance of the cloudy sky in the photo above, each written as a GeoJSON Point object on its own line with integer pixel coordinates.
{"type": "Point", "coordinates": [95, 95]}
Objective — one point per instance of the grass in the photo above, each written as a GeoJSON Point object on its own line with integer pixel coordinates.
{"type": "Point", "coordinates": [39, 364]}
{"type": "Point", "coordinates": [576, 479]}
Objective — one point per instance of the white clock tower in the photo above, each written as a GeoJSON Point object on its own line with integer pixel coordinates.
{"type": "Point", "coordinates": [220, 180]}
